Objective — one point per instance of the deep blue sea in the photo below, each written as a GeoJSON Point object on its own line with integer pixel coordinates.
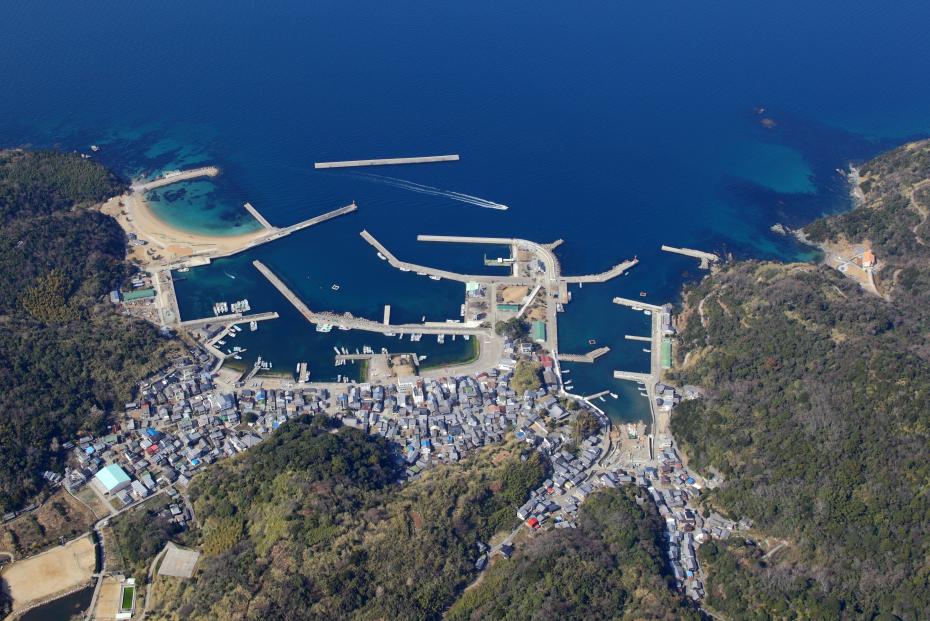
{"type": "Point", "coordinates": [615, 125]}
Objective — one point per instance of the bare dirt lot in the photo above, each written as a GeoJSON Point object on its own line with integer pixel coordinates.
{"type": "Point", "coordinates": [60, 569]}
{"type": "Point", "coordinates": [108, 599]}
{"type": "Point", "coordinates": [514, 294]}
{"type": "Point", "coordinates": [60, 516]}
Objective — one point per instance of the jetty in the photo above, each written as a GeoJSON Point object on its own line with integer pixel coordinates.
{"type": "Point", "coordinates": [633, 337]}
{"type": "Point", "coordinates": [597, 395]}
{"type": "Point", "coordinates": [589, 357]}
{"type": "Point", "coordinates": [388, 161]}
{"type": "Point", "coordinates": [228, 319]}
{"type": "Point", "coordinates": [431, 271]}
{"type": "Point", "coordinates": [274, 233]}
{"type": "Point", "coordinates": [637, 304]}
{"type": "Point", "coordinates": [616, 270]}
{"type": "Point", "coordinates": [387, 315]}
{"type": "Point", "coordinates": [350, 322]}
{"type": "Point", "coordinates": [632, 376]}
{"type": "Point", "coordinates": [261, 219]}
{"type": "Point", "coordinates": [706, 257]}
{"type": "Point", "coordinates": [175, 176]}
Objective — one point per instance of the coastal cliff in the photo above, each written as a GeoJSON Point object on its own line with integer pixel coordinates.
{"type": "Point", "coordinates": [816, 421]}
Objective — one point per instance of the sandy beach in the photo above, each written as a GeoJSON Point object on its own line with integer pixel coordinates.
{"type": "Point", "coordinates": [166, 242]}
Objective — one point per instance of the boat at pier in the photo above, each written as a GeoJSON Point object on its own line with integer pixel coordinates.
{"type": "Point", "coordinates": [434, 277]}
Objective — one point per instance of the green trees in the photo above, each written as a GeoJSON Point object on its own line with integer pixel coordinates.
{"type": "Point", "coordinates": [584, 425]}
{"type": "Point", "coordinates": [310, 525]}
{"type": "Point", "coordinates": [63, 357]}
{"type": "Point", "coordinates": [610, 567]}
{"type": "Point", "coordinates": [513, 328]}
{"type": "Point", "coordinates": [526, 376]}
{"type": "Point", "coordinates": [817, 420]}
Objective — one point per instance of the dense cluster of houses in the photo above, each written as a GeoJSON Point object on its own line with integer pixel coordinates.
{"type": "Point", "coordinates": [182, 422]}
{"type": "Point", "coordinates": [441, 420]}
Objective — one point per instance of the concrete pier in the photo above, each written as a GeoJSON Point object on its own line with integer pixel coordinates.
{"type": "Point", "coordinates": [633, 337]}
{"type": "Point", "coordinates": [706, 257]}
{"type": "Point", "coordinates": [610, 274]}
{"type": "Point", "coordinates": [430, 271]}
{"type": "Point", "coordinates": [347, 320]}
{"type": "Point", "coordinates": [589, 357]}
{"type": "Point", "coordinates": [634, 303]}
{"type": "Point", "coordinates": [275, 233]}
{"type": "Point", "coordinates": [646, 378]}
{"type": "Point", "coordinates": [175, 177]}
{"type": "Point", "coordinates": [261, 219]}
{"type": "Point", "coordinates": [387, 315]}
{"type": "Point", "coordinates": [228, 319]}
{"type": "Point", "coordinates": [597, 395]}
{"type": "Point", "coordinates": [389, 161]}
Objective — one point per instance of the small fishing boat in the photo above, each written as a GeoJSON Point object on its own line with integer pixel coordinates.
{"type": "Point", "coordinates": [432, 277]}
{"type": "Point", "coordinates": [335, 287]}
{"type": "Point", "coordinates": [230, 275]}
{"type": "Point", "coordinates": [642, 294]}
{"type": "Point", "coordinates": [592, 341]}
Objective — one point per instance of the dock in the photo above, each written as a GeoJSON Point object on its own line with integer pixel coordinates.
{"type": "Point", "coordinates": [175, 177]}
{"type": "Point", "coordinates": [597, 395]}
{"type": "Point", "coordinates": [616, 270]}
{"type": "Point", "coordinates": [261, 219]}
{"type": "Point", "coordinates": [348, 321]}
{"type": "Point", "coordinates": [274, 233]}
{"type": "Point", "coordinates": [387, 315]}
{"type": "Point", "coordinates": [388, 161]}
{"type": "Point", "coordinates": [706, 257]}
{"type": "Point", "coordinates": [637, 304]}
{"type": "Point", "coordinates": [632, 376]}
{"type": "Point", "coordinates": [589, 357]}
{"type": "Point", "coordinates": [633, 337]}
{"type": "Point", "coordinates": [228, 319]}
{"type": "Point", "coordinates": [430, 271]}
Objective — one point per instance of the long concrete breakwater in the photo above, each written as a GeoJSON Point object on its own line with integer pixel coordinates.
{"type": "Point", "coordinates": [229, 319]}
{"type": "Point", "coordinates": [544, 251]}
{"type": "Point", "coordinates": [637, 304]}
{"type": "Point", "coordinates": [706, 257]}
{"type": "Point", "coordinates": [589, 357]}
{"type": "Point", "coordinates": [255, 214]}
{"type": "Point", "coordinates": [430, 271]}
{"type": "Point", "coordinates": [175, 177]}
{"type": "Point", "coordinates": [348, 321]}
{"type": "Point", "coordinates": [610, 274]}
{"type": "Point", "coordinates": [388, 161]}
{"type": "Point", "coordinates": [274, 233]}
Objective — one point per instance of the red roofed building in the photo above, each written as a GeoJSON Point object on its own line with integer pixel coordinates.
{"type": "Point", "coordinates": [547, 362]}
{"type": "Point", "coordinates": [532, 523]}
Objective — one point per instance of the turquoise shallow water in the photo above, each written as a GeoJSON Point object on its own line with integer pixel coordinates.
{"type": "Point", "coordinates": [615, 126]}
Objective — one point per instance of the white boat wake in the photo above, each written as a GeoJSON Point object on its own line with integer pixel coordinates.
{"type": "Point", "coordinates": [428, 189]}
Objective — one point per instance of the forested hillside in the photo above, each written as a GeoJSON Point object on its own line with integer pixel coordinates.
{"type": "Point", "coordinates": [311, 525]}
{"type": "Point", "coordinates": [610, 567]}
{"type": "Point", "coordinates": [64, 357]}
{"type": "Point", "coordinates": [817, 420]}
